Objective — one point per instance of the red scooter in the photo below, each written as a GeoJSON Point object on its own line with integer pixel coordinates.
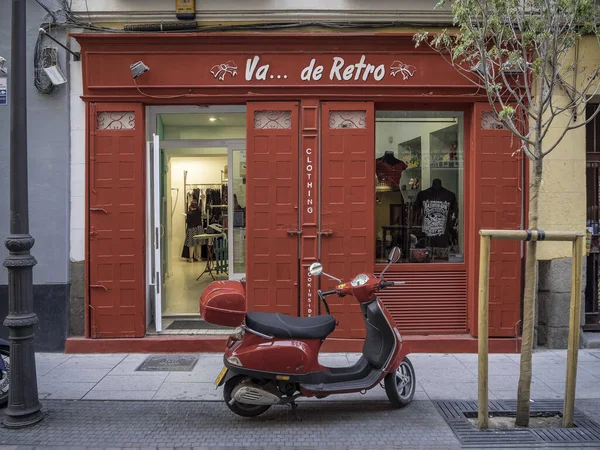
{"type": "Point", "coordinates": [272, 358]}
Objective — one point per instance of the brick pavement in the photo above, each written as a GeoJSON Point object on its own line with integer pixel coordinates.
{"type": "Point", "coordinates": [100, 401]}
{"type": "Point", "coordinates": [137, 424]}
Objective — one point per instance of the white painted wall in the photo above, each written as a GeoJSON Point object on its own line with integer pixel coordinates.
{"type": "Point", "coordinates": [77, 118]}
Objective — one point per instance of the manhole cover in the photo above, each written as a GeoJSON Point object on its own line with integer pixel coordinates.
{"type": "Point", "coordinates": [168, 363]}
{"type": "Point", "coordinates": [457, 413]}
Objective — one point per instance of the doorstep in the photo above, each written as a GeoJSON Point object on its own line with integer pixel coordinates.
{"type": "Point", "coordinates": [462, 343]}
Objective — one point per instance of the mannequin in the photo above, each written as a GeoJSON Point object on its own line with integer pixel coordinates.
{"type": "Point", "coordinates": [389, 169]}
{"type": "Point", "coordinates": [438, 210]}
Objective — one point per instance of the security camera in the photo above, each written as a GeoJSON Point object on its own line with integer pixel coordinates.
{"type": "Point", "coordinates": [138, 68]}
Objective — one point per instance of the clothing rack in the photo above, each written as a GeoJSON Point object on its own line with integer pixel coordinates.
{"type": "Point", "coordinates": [189, 188]}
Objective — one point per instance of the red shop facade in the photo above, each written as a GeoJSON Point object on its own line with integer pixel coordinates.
{"type": "Point", "coordinates": [328, 116]}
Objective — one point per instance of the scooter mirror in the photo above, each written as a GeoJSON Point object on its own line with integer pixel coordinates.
{"type": "Point", "coordinates": [395, 255]}
{"type": "Point", "coordinates": [315, 269]}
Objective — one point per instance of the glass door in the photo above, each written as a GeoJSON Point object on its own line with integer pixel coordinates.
{"type": "Point", "coordinates": [153, 233]}
{"type": "Point", "coordinates": [236, 187]}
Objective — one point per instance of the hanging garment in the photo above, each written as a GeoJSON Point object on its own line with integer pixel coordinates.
{"type": "Point", "coordinates": [389, 170]}
{"type": "Point", "coordinates": [194, 227]}
{"type": "Point", "coordinates": [438, 210]}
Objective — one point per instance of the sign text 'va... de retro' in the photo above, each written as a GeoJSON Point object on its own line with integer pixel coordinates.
{"type": "Point", "coordinates": [337, 69]}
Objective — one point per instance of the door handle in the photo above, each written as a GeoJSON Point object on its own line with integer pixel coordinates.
{"type": "Point", "coordinates": [99, 209]}
{"type": "Point", "coordinates": [98, 286]}
{"type": "Point", "coordinates": [294, 232]}
{"type": "Point", "coordinates": [326, 233]}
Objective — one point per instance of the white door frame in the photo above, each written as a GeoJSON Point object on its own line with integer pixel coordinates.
{"type": "Point", "coordinates": [153, 232]}
{"type": "Point", "coordinates": [232, 147]}
{"type": "Point", "coordinates": [151, 129]}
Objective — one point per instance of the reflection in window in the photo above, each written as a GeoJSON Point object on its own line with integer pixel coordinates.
{"type": "Point", "coordinates": [419, 185]}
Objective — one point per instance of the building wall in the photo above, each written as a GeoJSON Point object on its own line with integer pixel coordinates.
{"type": "Point", "coordinates": [48, 152]}
{"type": "Point", "coordinates": [562, 197]}
{"type": "Point", "coordinates": [563, 193]}
{"type": "Point", "coordinates": [562, 207]}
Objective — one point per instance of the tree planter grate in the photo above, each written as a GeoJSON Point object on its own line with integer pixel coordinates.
{"type": "Point", "coordinates": [586, 432]}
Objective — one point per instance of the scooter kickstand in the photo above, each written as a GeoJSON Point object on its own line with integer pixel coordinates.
{"type": "Point", "coordinates": [294, 407]}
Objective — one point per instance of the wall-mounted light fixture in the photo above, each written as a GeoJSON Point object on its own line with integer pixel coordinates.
{"type": "Point", "coordinates": [51, 66]}
{"type": "Point", "coordinates": [138, 69]}
{"type": "Point", "coordinates": [76, 55]}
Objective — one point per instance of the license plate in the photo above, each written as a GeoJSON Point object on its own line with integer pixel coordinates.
{"type": "Point", "coordinates": [221, 376]}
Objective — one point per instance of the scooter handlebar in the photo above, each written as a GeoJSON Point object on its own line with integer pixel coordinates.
{"type": "Point", "coordinates": [334, 291]}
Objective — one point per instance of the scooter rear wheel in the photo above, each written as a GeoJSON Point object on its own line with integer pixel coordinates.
{"type": "Point", "coordinates": [241, 409]}
{"type": "Point", "coordinates": [400, 385]}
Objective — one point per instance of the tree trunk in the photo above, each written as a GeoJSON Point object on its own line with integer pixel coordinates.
{"type": "Point", "coordinates": [529, 299]}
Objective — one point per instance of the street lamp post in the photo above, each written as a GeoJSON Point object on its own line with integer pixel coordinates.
{"type": "Point", "coordinates": [23, 403]}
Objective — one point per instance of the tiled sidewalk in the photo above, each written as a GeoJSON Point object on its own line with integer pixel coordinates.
{"type": "Point", "coordinates": [439, 376]}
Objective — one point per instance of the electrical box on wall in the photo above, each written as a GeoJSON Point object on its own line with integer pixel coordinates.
{"type": "Point", "coordinates": [186, 9]}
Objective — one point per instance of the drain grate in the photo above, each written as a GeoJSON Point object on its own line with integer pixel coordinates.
{"type": "Point", "coordinates": [456, 413]}
{"type": "Point", "coordinates": [168, 363]}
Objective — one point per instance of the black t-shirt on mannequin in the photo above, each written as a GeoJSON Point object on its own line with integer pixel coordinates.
{"type": "Point", "coordinates": [438, 209]}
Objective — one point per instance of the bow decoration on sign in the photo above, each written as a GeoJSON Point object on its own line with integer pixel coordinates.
{"type": "Point", "coordinates": [406, 70]}
{"type": "Point", "coordinates": [220, 70]}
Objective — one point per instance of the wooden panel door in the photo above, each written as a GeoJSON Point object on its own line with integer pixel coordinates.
{"type": "Point", "coordinates": [499, 205]}
{"type": "Point", "coordinates": [347, 204]}
{"type": "Point", "coordinates": [272, 207]}
{"type": "Point", "coordinates": [116, 221]}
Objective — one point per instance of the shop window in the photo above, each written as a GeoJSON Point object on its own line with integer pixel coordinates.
{"type": "Point", "coordinates": [419, 186]}
{"type": "Point", "coordinates": [272, 120]}
{"type": "Point", "coordinates": [115, 120]}
{"type": "Point", "coordinates": [347, 119]}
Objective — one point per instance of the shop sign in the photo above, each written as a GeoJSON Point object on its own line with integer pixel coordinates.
{"type": "Point", "coordinates": [3, 91]}
{"type": "Point", "coordinates": [309, 209]}
{"type": "Point", "coordinates": [334, 69]}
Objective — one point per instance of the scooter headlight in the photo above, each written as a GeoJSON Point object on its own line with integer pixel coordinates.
{"type": "Point", "coordinates": [234, 361]}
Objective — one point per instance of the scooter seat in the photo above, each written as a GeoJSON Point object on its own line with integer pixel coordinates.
{"type": "Point", "coordinates": [282, 326]}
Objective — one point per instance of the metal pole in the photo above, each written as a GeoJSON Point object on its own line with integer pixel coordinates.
{"type": "Point", "coordinates": [23, 403]}
{"type": "Point", "coordinates": [574, 324]}
{"type": "Point", "coordinates": [482, 339]}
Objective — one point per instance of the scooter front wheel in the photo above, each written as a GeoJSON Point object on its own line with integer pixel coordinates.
{"type": "Point", "coordinates": [241, 409]}
{"type": "Point", "coordinates": [4, 380]}
{"type": "Point", "coordinates": [400, 385]}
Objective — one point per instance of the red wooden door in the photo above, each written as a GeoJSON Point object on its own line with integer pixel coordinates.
{"type": "Point", "coordinates": [499, 205]}
{"type": "Point", "coordinates": [348, 204]}
{"type": "Point", "coordinates": [116, 221]}
{"type": "Point", "coordinates": [272, 207]}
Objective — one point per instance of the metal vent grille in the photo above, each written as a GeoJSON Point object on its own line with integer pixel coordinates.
{"type": "Point", "coordinates": [429, 302]}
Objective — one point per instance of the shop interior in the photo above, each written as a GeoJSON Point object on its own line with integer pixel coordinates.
{"type": "Point", "coordinates": [419, 186]}
{"type": "Point", "coordinates": [203, 190]}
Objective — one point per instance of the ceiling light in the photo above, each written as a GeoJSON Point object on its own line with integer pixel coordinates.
{"type": "Point", "coordinates": [212, 119]}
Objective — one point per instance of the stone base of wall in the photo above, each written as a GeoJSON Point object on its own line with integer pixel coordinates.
{"type": "Point", "coordinates": [50, 303]}
{"type": "Point", "coordinates": [77, 299]}
{"type": "Point", "coordinates": [554, 299]}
